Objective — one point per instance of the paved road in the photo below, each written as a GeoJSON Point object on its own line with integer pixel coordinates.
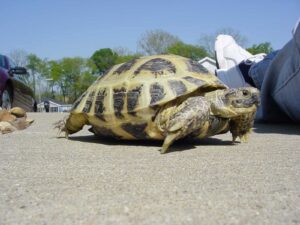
{"type": "Point", "coordinates": [83, 180]}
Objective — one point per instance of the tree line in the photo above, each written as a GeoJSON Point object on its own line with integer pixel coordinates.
{"type": "Point", "coordinates": [66, 79]}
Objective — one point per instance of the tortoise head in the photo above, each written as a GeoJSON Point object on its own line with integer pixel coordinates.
{"type": "Point", "coordinates": [229, 103]}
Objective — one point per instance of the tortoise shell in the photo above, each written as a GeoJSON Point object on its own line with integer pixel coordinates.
{"type": "Point", "coordinates": [133, 92]}
{"type": "Point", "coordinates": [143, 82]}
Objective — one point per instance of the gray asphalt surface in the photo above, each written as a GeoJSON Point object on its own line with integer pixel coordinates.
{"type": "Point", "coordinates": [84, 180]}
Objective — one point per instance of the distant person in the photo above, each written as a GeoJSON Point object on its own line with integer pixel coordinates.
{"type": "Point", "coordinates": [277, 75]}
{"type": "Point", "coordinates": [47, 106]}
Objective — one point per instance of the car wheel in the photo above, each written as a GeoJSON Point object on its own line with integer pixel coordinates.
{"type": "Point", "coordinates": [6, 101]}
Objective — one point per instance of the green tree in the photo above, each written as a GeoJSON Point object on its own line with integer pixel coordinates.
{"type": "Point", "coordinates": [37, 69]}
{"type": "Point", "coordinates": [124, 55]}
{"type": "Point", "coordinates": [264, 47]}
{"type": "Point", "coordinates": [56, 74]}
{"type": "Point", "coordinates": [104, 59]}
{"type": "Point", "coordinates": [71, 71]}
{"type": "Point", "coordinates": [72, 76]}
{"type": "Point", "coordinates": [190, 51]}
{"type": "Point", "coordinates": [156, 41]}
{"type": "Point", "coordinates": [126, 58]}
{"type": "Point", "coordinates": [85, 80]}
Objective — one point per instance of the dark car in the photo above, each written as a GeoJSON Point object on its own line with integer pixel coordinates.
{"type": "Point", "coordinates": [14, 92]}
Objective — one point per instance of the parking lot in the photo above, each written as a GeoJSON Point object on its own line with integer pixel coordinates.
{"type": "Point", "coordinates": [86, 180]}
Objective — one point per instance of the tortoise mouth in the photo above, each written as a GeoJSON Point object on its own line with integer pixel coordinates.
{"type": "Point", "coordinates": [246, 103]}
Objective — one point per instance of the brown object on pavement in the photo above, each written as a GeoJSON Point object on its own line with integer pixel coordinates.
{"type": "Point", "coordinates": [15, 119]}
{"type": "Point", "coordinates": [18, 112]}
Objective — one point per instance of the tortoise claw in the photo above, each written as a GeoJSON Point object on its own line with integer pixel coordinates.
{"type": "Point", "coordinates": [168, 141]}
{"type": "Point", "coordinates": [61, 126]}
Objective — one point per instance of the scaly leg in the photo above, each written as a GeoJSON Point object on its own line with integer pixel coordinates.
{"type": "Point", "coordinates": [241, 126]}
{"type": "Point", "coordinates": [183, 119]}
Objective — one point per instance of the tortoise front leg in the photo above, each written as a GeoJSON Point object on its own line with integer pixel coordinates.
{"type": "Point", "coordinates": [183, 119]}
{"type": "Point", "coordinates": [241, 126]}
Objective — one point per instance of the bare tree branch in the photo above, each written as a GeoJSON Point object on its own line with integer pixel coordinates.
{"type": "Point", "coordinates": [156, 41]}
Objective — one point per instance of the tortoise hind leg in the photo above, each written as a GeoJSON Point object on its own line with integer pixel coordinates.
{"type": "Point", "coordinates": [188, 116]}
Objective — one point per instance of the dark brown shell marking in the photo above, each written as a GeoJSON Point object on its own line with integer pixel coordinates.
{"type": "Point", "coordinates": [136, 130]}
{"type": "Point", "coordinates": [195, 67]}
{"type": "Point", "coordinates": [119, 99]}
{"type": "Point", "coordinates": [193, 80]}
{"type": "Point", "coordinates": [157, 93]}
{"type": "Point", "coordinates": [132, 99]}
{"type": "Point", "coordinates": [105, 132]}
{"type": "Point", "coordinates": [178, 87]}
{"type": "Point", "coordinates": [157, 66]}
{"type": "Point", "coordinates": [125, 67]}
{"type": "Point", "coordinates": [88, 103]}
{"type": "Point", "coordinates": [99, 104]}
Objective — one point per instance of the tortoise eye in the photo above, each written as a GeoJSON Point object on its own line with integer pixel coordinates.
{"type": "Point", "coordinates": [245, 92]}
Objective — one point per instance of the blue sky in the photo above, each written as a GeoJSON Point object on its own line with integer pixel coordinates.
{"type": "Point", "coordinates": [55, 29]}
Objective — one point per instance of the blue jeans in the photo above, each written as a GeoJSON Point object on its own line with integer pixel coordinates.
{"type": "Point", "coordinates": [278, 78]}
{"type": "Point", "coordinates": [258, 70]}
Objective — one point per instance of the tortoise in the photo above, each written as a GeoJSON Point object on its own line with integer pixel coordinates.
{"type": "Point", "coordinates": [163, 97]}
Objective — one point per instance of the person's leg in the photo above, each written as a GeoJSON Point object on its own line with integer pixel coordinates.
{"type": "Point", "coordinates": [228, 52]}
{"type": "Point", "coordinates": [281, 86]}
{"type": "Point", "coordinates": [234, 62]}
{"type": "Point", "coordinates": [277, 75]}
{"type": "Point", "coordinates": [258, 70]}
